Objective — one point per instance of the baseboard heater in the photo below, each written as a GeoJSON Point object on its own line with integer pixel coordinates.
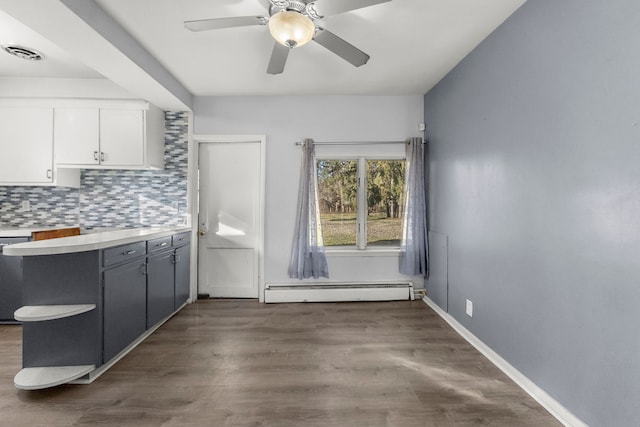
{"type": "Point", "coordinates": [333, 292]}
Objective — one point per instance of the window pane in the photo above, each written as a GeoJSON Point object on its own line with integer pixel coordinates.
{"type": "Point", "coordinates": [338, 197]}
{"type": "Point", "coordinates": [385, 201]}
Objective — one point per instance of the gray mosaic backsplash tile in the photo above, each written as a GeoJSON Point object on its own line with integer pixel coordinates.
{"type": "Point", "coordinates": [110, 198]}
{"type": "Point", "coordinates": [49, 207]}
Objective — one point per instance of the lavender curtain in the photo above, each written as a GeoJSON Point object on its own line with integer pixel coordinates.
{"type": "Point", "coordinates": [414, 255]}
{"type": "Point", "coordinates": [308, 258]}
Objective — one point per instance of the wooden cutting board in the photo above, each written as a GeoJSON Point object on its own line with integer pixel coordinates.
{"type": "Point", "coordinates": [53, 234]}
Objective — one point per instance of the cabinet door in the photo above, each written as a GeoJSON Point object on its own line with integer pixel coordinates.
{"type": "Point", "coordinates": [160, 287]}
{"type": "Point", "coordinates": [124, 303]}
{"type": "Point", "coordinates": [182, 268]}
{"type": "Point", "coordinates": [75, 136]}
{"type": "Point", "coordinates": [122, 137]}
{"type": "Point", "coordinates": [26, 144]}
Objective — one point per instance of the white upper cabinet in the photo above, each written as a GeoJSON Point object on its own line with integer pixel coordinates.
{"type": "Point", "coordinates": [26, 139]}
{"type": "Point", "coordinates": [26, 147]}
{"type": "Point", "coordinates": [76, 136]}
{"type": "Point", "coordinates": [123, 135]}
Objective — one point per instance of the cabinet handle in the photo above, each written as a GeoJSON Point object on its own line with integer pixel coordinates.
{"type": "Point", "coordinates": [49, 173]}
{"type": "Point", "coordinates": [143, 269]}
{"type": "Point", "coordinates": [175, 259]}
{"type": "Point", "coordinates": [95, 155]}
{"type": "Point", "coordinates": [101, 156]}
{"type": "Point", "coordinates": [161, 244]}
{"type": "Point", "coordinates": [128, 252]}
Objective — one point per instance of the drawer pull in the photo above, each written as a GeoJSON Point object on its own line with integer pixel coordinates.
{"type": "Point", "coordinates": [161, 244]}
{"type": "Point", "coordinates": [128, 252]}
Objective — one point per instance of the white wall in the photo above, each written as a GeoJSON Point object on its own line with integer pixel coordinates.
{"type": "Point", "coordinates": [30, 87]}
{"type": "Point", "coordinates": [285, 120]}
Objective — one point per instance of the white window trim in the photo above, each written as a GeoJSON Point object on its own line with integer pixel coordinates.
{"type": "Point", "coordinates": [361, 233]}
{"type": "Point", "coordinates": [346, 251]}
{"type": "Point", "coordinates": [351, 153]}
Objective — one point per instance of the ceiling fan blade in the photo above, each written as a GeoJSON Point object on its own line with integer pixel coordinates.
{"type": "Point", "coordinates": [343, 49]}
{"type": "Point", "coordinates": [333, 7]}
{"type": "Point", "coordinates": [219, 23]}
{"type": "Point", "coordinates": [278, 59]}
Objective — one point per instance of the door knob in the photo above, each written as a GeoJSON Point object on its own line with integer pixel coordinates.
{"type": "Point", "coordinates": [202, 232]}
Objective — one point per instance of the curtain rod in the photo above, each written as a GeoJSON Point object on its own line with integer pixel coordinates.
{"type": "Point", "coordinates": [356, 143]}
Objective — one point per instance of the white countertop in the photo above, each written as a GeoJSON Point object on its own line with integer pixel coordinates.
{"type": "Point", "coordinates": [25, 232]}
{"type": "Point", "coordinates": [90, 242]}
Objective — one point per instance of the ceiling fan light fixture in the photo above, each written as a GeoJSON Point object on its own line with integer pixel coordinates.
{"type": "Point", "coordinates": [291, 28]}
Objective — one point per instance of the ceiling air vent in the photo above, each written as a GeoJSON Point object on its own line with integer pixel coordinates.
{"type": "Point", "coordinates": [23, 52]}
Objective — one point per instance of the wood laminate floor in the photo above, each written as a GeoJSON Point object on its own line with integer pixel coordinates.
{"type": "Point", "coordinates": [241, 363]}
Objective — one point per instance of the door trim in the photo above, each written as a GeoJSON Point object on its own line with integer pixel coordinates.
{"type": "Point", "coordinates": [194, 196]}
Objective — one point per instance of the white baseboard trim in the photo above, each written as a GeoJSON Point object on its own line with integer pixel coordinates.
{"type": "Point", "coordinates": [330, 292]}
{"type": "Point", "coordinates": [561, 413]}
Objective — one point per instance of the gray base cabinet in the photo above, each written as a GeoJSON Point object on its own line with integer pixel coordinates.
{"type": "Point", "coordinates": [125, 295]}
{"type": "Point", "coordinates": [160, 287]}
{"type": "Point", "coordinates": [10, 281]}
{"type": "Point", "coordinates": [182, 259]}
{"type": "Point", "coordinates": [58, 280]}
{"type": "Point", "coordinates": [102, 301]}
{"type": "Point", "coordinates": [168, 267]}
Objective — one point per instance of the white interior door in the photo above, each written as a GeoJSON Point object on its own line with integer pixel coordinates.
{"type": "Point", "coordinates": [230, 225]}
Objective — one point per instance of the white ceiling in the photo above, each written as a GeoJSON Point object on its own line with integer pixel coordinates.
{"type": "Point", "coordinates": [57, 63]}
{"type": "Point", "coordinates": [412, 44]}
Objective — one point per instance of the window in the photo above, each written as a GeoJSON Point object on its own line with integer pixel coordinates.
{"type": "Point", "coordinates": [361, 201]}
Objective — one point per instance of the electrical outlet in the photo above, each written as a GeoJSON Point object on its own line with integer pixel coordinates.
{"type": "Point", "coordinates": [469, 308]}
{"type": "Point", "coordinates": [26, 206]}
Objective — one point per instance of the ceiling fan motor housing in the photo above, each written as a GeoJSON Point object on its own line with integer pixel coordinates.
{"type": "Point", "coordinates": [298, 6]}
{"type": "Point", "coordinates": [304, 7]}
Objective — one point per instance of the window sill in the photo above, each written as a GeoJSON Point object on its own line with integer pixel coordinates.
{"type": "Point", "coordinates": [340, 252]}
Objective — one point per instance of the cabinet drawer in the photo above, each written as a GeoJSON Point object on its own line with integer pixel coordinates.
{"type": "Point", "coordinates": [123, 253]}
{"type": "Point", "coordinates": [181, 239]}
{"type": "Point", "coordinates": [158, 244]}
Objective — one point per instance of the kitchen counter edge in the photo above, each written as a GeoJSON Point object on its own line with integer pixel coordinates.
{"type": "Point", "coordinates": [24, 232]}
{"type": "Point", "coordinates": [90, 242]}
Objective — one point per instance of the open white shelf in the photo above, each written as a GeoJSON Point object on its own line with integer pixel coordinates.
{"type": "Point", "coordinates": [49, 376]}
{"type": "Point", "coordinates": [39, 313]}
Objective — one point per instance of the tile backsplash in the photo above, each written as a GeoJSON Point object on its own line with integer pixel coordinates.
{"type": "Point", "coordinates": [48, 207]}
{"type": "Point", "coordinates": [110, 198]}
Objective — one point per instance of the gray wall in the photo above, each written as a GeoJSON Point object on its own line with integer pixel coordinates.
{"type": "Point", "coordinates": [285, 120]}
{"type": "Point", "coordinates": [535, 179]}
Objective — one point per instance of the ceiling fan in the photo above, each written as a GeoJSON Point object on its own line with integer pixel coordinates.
{"type": "Point", "coordinates": [292, 24]}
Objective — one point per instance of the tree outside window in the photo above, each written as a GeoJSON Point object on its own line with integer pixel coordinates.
{"type": "Point", "coordinates": [361, 201]}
